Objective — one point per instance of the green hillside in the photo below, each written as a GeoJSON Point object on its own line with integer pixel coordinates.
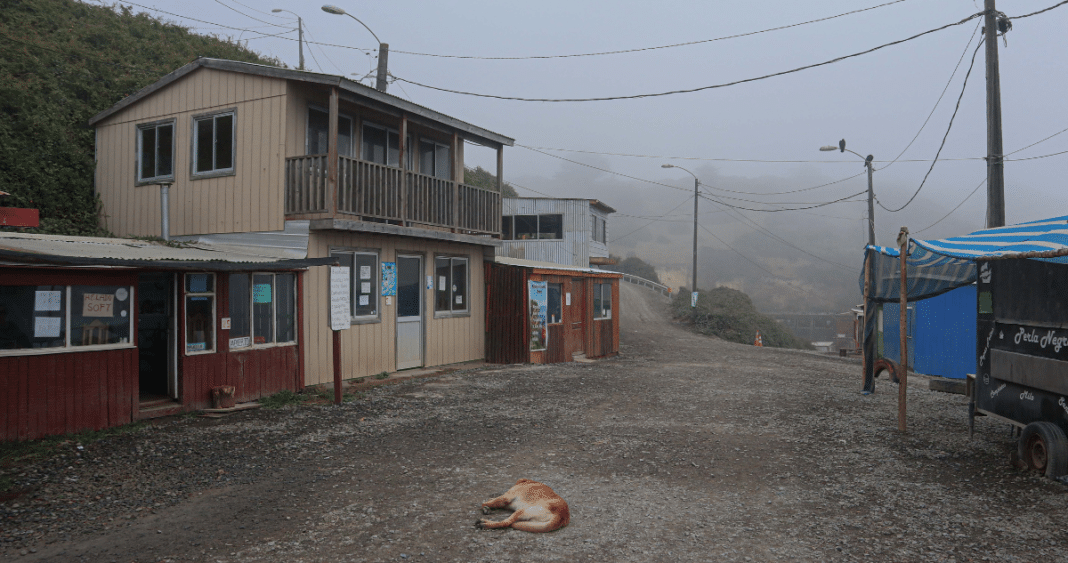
{"type": "Point", "coordinates": [729, 314]}
{"type": "Point", "coordinates": [62, 62]}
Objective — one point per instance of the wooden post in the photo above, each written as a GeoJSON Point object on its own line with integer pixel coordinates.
{"type": "Point", "coordinates": [403, 188]}
{"type": "Point", "coordinates": [455, 185]}
{"type": "Point", "coordinates": [337, 366]}
{"type": "Point", "coordinates": [331, 153]}
{"type": "Point", "coordinates": [868, 354]}
{"type": "Point", "coordinates": [500, 187]}
{"type": "Point", "coordinates": [903, 377]}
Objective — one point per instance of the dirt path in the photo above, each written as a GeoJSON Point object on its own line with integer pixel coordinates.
{"type": "Point", "coordinates": [683, 448]}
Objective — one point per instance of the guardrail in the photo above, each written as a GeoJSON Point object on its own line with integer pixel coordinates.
{"type": "Point", "coordinates": [637, 280]}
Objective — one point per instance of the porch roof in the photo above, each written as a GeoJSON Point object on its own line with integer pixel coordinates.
{"type": "Point", "coordinates": [551, 268]}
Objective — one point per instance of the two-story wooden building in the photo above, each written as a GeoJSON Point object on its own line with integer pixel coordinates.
{"type": "Point", "coordinates": [324, 166]}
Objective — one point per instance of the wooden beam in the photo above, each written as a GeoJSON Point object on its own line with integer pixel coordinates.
{"type": "Point", "coordinates": [404, 174]}
{"type": "Point", "coordinates": [331, 152]}
{"type": "Point", "coordinates": [903, 377]}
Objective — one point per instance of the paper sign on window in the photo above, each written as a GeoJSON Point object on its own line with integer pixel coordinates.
{"type": "Point", "coordinates": [47, 327]}
{"type": "Point", "coordinates": [98, 305]}
{"type": "Point", "coordinates": [365, 287]}
{"type": "Point", "coordinates": [364, 300]}
{"type": "Point", "coordinates": [441, 283]}
{"type": "Point", "coordinates": [459, 299]}
{"type": "Point", "coordinates": [365, 272]}
{"type": "Point", "coordinates": [261, 293]}
{"type": "Point", "coordinates": [47, 300]}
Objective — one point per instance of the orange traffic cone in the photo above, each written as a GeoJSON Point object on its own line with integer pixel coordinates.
{"type": "Point", "coordinates": [759, 341]}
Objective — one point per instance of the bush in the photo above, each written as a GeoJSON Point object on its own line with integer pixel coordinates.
{"type": "Point", "coordinates": [729, 314]}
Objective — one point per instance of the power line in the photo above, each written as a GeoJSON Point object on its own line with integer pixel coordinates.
{"type": "Point", "coordinates": [944, 137]}
{"type": "Point", "coordinates": [753, 160]}
{"type": "Point", "coordinates": [701, 88]}
{"type": "Point", "coordinates": [736, 251]}
{"type": "Point", "coordinates": [623, 51]}
{"type": "Point", "coordinates": [954, 209]}
{"type": "Point", "coordinates": [219, 2]}
{"type": "Point", "coordinates": [684, 202]}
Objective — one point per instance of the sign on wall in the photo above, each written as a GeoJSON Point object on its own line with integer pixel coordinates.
{"type": "Point", "coordinates": [340, 299]}
{"type": "Point", "coordinates": [538, 297]}
{"type": "Point", "coordinates": [389, 279]}
{"type": "Point", "coordinates": [98, 305]}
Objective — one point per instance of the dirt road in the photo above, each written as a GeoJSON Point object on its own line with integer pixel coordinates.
{"type": "Point", "coordinates": [683, 448]}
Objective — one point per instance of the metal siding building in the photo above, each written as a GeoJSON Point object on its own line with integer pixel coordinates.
{"type": "Point", "coordinates": [577, 246]}
{"type": "Point", "coordinates": [941, 333]}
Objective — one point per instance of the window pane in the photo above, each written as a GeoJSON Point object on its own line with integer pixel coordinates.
{"type": "Point", "coordinates": [365, 290]}
{"type": "Point", "coordinates": [262, 308]}
{"type": "Point", "coordinates": [199, 323]}
{"type": "Point", "coordinates": [100, 314]}
{"type": "Point", "coordinates": [148, 153]}
{"type": "Point", "coordinates": [318, 131]}
{"type": "Point", "coordinates": [394, 149]}
{"type": "Point", "coordinates": [286, 307]}
{"type": "Point", "coordinates": [344, 136]}
{"type": "Point", "coordinates": [596, 300]}
{"type": "Point", "coordinates": [554, 308]}
{"type": "Point", "coordinates": [200, 283]}
{"type": "Point", "coordinates": [526, 227]}
{"type": "Point", "coordinates": [426, 158]}
{"type": "Point", "coordinates": [205, 139]}
{"type": "Point", "coordinates": [374, 144]}
{"type": "Point", "coordinates": [443, 283]}
{"type": "Point", "coordinates": [224, 142]}
{"type": "Point", "coordinates": [442, 164]}
{"type": "Point", "coordinates": [165, 150]}
{"type": "Point", "coordinates": [459, 284]}
{"type": "Point", "coordinates": [409, 287]}
{"type": "Point", "coordinates": [551, 227]}
{"type": "Point", "coordinates": [506, 227]}
{"type": "Point", "coordinates": [240, 312]}
{"type": "Point", "coordinates": [32, 316]}
{"type": "Point", "coordinates": [606, 300]}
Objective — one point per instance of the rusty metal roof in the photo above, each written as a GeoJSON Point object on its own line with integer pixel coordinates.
{"type": "Point", "coordinates": [61, 250]}
{"type": "Point", "coordinates": [535, 265]}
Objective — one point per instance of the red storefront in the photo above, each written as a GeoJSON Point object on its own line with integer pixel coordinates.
{"type": "Point", "coordinates": [101, 332]}
{"type": "Point", "coordinates": [545, 313]}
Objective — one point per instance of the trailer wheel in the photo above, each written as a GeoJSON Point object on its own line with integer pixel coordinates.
{"type": "Point", "coordinates": [1044, 448]}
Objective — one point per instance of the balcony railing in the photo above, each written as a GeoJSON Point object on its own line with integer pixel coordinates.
{"type": "Point", "coordinates": [368, 191]}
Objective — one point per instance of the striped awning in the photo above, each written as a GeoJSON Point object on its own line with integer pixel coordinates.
{"type": "Point", "coordinates": [939, 265]}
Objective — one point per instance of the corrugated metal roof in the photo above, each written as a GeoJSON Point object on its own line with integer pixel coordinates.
{"type": "Point", "coordinates": [519, 263]}
{"type": "Point", "coordinates": [89, 251]}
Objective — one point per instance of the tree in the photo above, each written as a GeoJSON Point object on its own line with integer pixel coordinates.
{"type": "Point", "coordinates": [482, 178]}
{"type": "Point", "coordinates": [636, 267]}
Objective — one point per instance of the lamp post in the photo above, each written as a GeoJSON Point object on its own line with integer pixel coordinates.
{"type": "Point", "coordinates": [383, 48]}
{"type": "Point", "coordinates": [696, 183]}
{"type": "Point", "coordinates": [300, 34]}
{"type": "Point", "coordinates": [871, 194]}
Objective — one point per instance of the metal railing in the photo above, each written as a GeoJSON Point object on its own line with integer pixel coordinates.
{"type": "Point", "coordinates": [637, 280]}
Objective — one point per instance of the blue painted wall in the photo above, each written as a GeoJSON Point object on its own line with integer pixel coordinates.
{"type": "Point", "coordinates": [942, 330]}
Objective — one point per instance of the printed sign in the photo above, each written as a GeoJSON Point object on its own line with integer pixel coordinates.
{"type": "Point", "coordinates": [441, 283]}
{"type": "Point", "coordinates": [48, 300]}
{"type": "Point", "coordinates": [430, 282]}
{"type": "Point", "coordinates": [389, 279]}
{"type": "Point", "coordinates": [98, 305]}
{"type": "Point", "coordinates": [47, 327]}
{"type": "Point", "coordinates": [538, 296]}
{"type": "Point", "coordinates": [196, 346]}
{"type": "Point", "coordinates": [365, 272]}
{"type": "Point", "coordinates": [243, 342]}
{"type": "Point", "coordinates": [340, 299]}
{"type": "Point", "coordinates": [261, 293]}
{"type": "Point", "coordinates": [365, 287]}
{"type": "Point", "coordinates": [365, 300]}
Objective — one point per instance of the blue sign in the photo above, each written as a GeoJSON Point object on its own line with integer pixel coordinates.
{"type": "Point", "coordinates": [389, 279]}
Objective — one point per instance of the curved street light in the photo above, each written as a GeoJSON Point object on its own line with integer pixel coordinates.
{"type": "Point", "coordinates": [300, 34]}
{"type": "Point", "coordinates": [871, 193]}
{"type": "Point", "coordinates": [696, 183]}
{"type": "Point", "coordinates": [383, 48]}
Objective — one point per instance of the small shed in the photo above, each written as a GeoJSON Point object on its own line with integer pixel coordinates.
{"type": "Point", "coordinates": [98, 332]}
{"type": "Point", "coordinates": [539, 312]}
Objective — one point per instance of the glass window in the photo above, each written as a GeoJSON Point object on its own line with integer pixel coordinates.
{"type": "Point", "coordinates": [100, 314]}
{"type": "Point", "coordinates": [318, 141]}
{"type": "Point", "coordinates": [363, 274]}
{"type": "Point", "coordinates": [199, 313]}
{"type": "Point", "coordinates": [33, 316]}
{"type": "Point", "coordinates": [506, 227]}
{"type": "Point", "coordinates": [213, 144]}
{"type": "Point", "coordinates": [434, 160]}
{"type": "Point", "coordinates": [409, 286]}
{"type": "Point", "coordinates": [240, 311]}
{"type": "Point", "coordinates": [526, 227]}
{"type": "Point", "coordinates": [381, 145]}
{"type": "Point", "coordinates": [554, 306]}
{"type": "Point", "coordinates": [286, 308]}
{"type": "Point", "coordinates": [155, 153]}
{"type": "Point", "coordinates": [451, 284]}
{"type": "Point", "coordinates": [602, 300]}
{"type": "Point", "coordinates": [550, 226]}
{"type": "Point", "coordinates": [262, 308]}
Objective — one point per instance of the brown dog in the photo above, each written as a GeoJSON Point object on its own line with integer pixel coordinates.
{"type": "Point", "coordinates": [537, 508]}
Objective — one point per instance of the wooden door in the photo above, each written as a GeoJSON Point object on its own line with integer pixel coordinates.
{"type": "Point", "coordinates": [576, 314]}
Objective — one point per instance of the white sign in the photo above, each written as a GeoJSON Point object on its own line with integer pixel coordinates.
{"type": "Point", "coordinates": [693, 299]}
{"type": "Point", "coordinates": [340, 300]}
{"type": "Point", "coordinates": [98, 305]}
{"type": "Point", "coordinates": [47, 327]}
{"type": "Point", "coordinates": [365, 272]}
{"type": "Point", "coordinates": [47, 301]}
{"type": "Point", "coordinates": [365, 300]}
{"type": "Point", "coordinates": [365, 287]}
{"type": "Point", "coordinates": [441, 283]}
{"type": "Point", "coordinates": [567, 296]}
{"type": "Point", "coordinates": [243, 342]}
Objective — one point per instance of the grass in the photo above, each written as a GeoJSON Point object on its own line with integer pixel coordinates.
{"type": "Point", "coordinates": [382, 375]}
{"type": "Point", "coordinates": [729, 314]}
{"type": "Point", "coordinates": [283, 398]}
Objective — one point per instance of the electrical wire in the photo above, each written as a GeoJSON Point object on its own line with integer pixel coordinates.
{"type": "Point", "coordinates": [1037, 142]}
{"type": "Point", "coordinates": [700, 88]}
{"type": "Point", "coordinates": [323, 52]}
{"type": "Point", "coordinates": [219, 2]}
{"type": "Point", "coordinates": [944, 137]}
{"type": "Point", "coordinates": [736, 251]}
{"type": "Point", "coordinates": [753, 160]}
{"type": "Point", "coordinates": [1057, 5]}
{"type": "Point", "coordinates": [623, 51]}
{"type": "Point", "coordinates": [952, 210]}
{"type": "Point", "coordinates": [684, 202]}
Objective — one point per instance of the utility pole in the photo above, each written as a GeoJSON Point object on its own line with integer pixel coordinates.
{"type": "Point", "coordinates": [300, 41]}
{"type": "Point", "coordinates": [693, 296]}
{"type": "Point", "coordinates": [995, 167]}
{"type": "Point", "coordinates": [383, 59]}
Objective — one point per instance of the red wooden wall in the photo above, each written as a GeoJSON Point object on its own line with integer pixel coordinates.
{"type": "Point", "coordinates": [507, 338]}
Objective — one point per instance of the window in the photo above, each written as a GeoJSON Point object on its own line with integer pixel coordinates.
{"type": "Point", "coordinates": [213, 144]}
{"type": "Point", "coordinates": [451, 294]}
{"type": "Point", "coordinates": [318, 141]}
{"type": "Point", "coordinates": [598, 229]}
{"type": "Point", "coordinates": [602, 301]}
{"type": "Point", "coordinates": [363, 268]}
{"type": "Point", "coordinates": [262, 309]}
{"type": "Point", "coordinates": [155, 152]}
{"type": "Point", "coordinates": [553, 314]}
{"type": "Point", "coordinates": [381, 145]}
{"type": "Point", "coordinates": [59, 316]}
{"type": "Point", "coordinates": [531, 227]}
{"type": "Point", "coordinates": [199, 313]}
{"type": "Point", "coordinates": [434, 160]}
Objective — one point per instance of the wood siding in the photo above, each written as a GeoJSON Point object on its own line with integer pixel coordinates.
{"type": "Point", "coordinates": [254, 373]}
{"type": "Point", "coordinates": [63, 393]}
{"type": "Point", "coordinates": [249, 200]}
{"type": "Point", "coordinates": [370, 348]}
{"type": "Point", "coordinates": [506, 320]}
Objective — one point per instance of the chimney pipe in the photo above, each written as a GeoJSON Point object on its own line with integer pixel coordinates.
{"type": "Point", "coordinates": [165, 210]}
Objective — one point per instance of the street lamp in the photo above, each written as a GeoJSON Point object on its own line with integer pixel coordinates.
{"type": "Point", "coordinates": [696, 182]}
{"type": "Point", "coordinates": [871, 194]}
{"type": "Point", "coordinates": [300, 34]}
{"type": "Point", "coordinates": [383, 48]}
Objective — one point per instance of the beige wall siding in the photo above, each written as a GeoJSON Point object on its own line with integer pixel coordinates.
{"type": "Point", "coordinates": [368, 349]}
{"type": "Point", "coordinates": [249, 200]}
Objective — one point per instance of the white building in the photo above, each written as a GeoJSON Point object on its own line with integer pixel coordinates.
{"type": "Point", "coordinates": [571, 232]}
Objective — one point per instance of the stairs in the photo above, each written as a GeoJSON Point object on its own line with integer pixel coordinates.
{"type": "Point", "coordinates": [156, 406]}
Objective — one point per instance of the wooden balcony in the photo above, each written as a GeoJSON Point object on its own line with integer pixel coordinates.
{"type": "Point", "coordinates": [383, 194]}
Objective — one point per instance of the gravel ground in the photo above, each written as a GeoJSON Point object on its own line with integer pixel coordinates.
{"type": "Point", "coordinates": [683, 448]}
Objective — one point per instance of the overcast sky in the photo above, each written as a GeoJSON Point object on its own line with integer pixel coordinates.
{"type": "Point", "coordinates": [878, 102]}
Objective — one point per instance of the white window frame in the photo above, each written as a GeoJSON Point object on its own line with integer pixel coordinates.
{"type": "Point", "coordinates": [195, 144]}
{"type": "Point", "coordinates": [354, 279]}
{"type": "Point", "coordinates": [214, 312]}
{"type": "Point", "coordinates": [599, 314]}
{"type": "Point", "coordinates": [452, 311]}
{"type": "Point", "coordinates": [274, 311]}
{"type": "Point", "coordinates": [155, 125]}
{"type": "Point", "coordinates": [68, 346]}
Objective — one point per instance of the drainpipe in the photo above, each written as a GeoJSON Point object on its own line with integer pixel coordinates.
{"type": "Point", "coordinates": [164, 210]}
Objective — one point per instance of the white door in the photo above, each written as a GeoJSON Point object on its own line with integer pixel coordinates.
{"type": "Point", "coordinates": [409, 312]}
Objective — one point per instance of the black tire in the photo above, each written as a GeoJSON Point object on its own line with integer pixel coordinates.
{"type": "Point", "coordinates": [1043, 447]}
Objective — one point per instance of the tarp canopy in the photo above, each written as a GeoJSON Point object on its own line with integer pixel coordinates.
{"type": "Point", "coordinates": [939, 265]}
